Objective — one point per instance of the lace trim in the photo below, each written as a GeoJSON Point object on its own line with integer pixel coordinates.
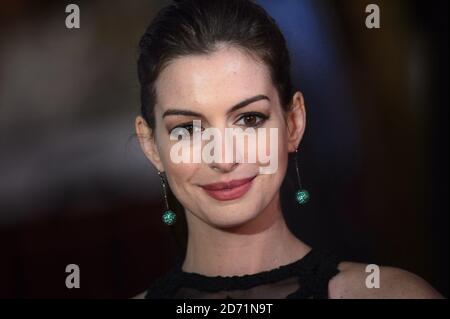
{"type": "Point", "coordinates": [217, 283]}
{"type": "Point", "coordinates": [314, 270]}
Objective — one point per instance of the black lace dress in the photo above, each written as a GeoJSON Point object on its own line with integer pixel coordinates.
{"type": "Point", "coordinates": [306, 278]}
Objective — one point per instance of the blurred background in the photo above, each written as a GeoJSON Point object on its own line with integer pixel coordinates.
{"type": "Point", "coordinates": [76, 188]}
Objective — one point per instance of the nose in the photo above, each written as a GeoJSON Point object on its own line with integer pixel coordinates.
{"type": "Point", "coordinates": [223, 167]}
{"type": "Point", "coordinates": [229, 158]}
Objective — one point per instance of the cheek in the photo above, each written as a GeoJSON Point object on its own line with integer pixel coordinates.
{"type": "Point", "coordinates": [179, 178]}
{"type": "Point", "coordinates": [177, 173]}
{"type": "Point", "coordinates": [274, 145]}
{"type": "Point", "coordinates": [282, 147]}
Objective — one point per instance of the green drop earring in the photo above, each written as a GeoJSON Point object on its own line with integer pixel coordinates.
{"type": "Point", "coordinates": [302, 195]}
{"type": "Point", "coordinates": [168, 217]}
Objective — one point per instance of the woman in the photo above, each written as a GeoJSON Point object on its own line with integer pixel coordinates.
{"type": "Point", "coordinates": [208, 64]}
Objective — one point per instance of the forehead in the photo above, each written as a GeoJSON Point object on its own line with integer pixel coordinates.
{"type": "Point", "coordinates": [220, 79]}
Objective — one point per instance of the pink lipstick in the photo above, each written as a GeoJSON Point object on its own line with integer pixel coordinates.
{"type": "Point", "coordinates": [229, 190]}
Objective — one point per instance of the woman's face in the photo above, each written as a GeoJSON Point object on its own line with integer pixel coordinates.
{"type": "Point", "coordinates": [206, 87]}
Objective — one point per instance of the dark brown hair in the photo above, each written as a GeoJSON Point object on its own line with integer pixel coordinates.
{"type": "Point", "coordinates": [192, 27]}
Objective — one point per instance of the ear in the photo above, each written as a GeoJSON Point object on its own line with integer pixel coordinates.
{"type": "Point", "coordinates": [296, 122]}
{"type": "Point", "coordinates": [147, 140]}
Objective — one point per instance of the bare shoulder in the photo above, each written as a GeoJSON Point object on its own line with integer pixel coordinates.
{"type": "Point", "coordinates": [393, 283]}
{"type": "Point", "coordinates": [139, 296]}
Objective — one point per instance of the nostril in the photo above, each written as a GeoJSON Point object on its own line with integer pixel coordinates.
{"type": "Point", "coordinates": [225, 167]}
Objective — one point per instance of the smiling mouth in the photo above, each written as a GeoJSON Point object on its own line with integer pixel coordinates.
{"type": "Point", "coordinates": [229, 190]}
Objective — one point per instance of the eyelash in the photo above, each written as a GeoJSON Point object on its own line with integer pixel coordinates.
{"type": "Point", "coordinates": [186, 126]}
{"type": "Point", "coordinates": [263, 119]}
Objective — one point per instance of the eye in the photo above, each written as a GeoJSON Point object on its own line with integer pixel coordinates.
{"type": "Point", "coordinates": [252, 119]}
{"type": "Point", "coordinates": [185, 130]}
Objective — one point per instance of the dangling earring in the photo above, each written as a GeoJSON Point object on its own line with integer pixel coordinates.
{"type": "Point", "coordinates": [168, 217]}
{"type": "Point", "coordinates": [302, 195]}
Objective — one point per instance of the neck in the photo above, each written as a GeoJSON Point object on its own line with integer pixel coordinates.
{"type": "Point", "coordinates": [262, 244]}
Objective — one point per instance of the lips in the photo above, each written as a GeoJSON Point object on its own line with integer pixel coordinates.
{"type": "Point", "coordinates": [229, 190]}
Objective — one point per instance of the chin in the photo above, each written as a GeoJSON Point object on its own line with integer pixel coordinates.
{"type": "Point", "coordinates": [229, 217]}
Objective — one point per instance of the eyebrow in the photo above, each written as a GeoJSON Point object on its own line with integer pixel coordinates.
{"type": "Point", "coordinates": [232, 109]}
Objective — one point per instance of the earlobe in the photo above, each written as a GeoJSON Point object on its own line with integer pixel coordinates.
{"type": "Point", "coordinates": [296, 122]}
{"type": "Point", "coordinates": [147, 142]}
